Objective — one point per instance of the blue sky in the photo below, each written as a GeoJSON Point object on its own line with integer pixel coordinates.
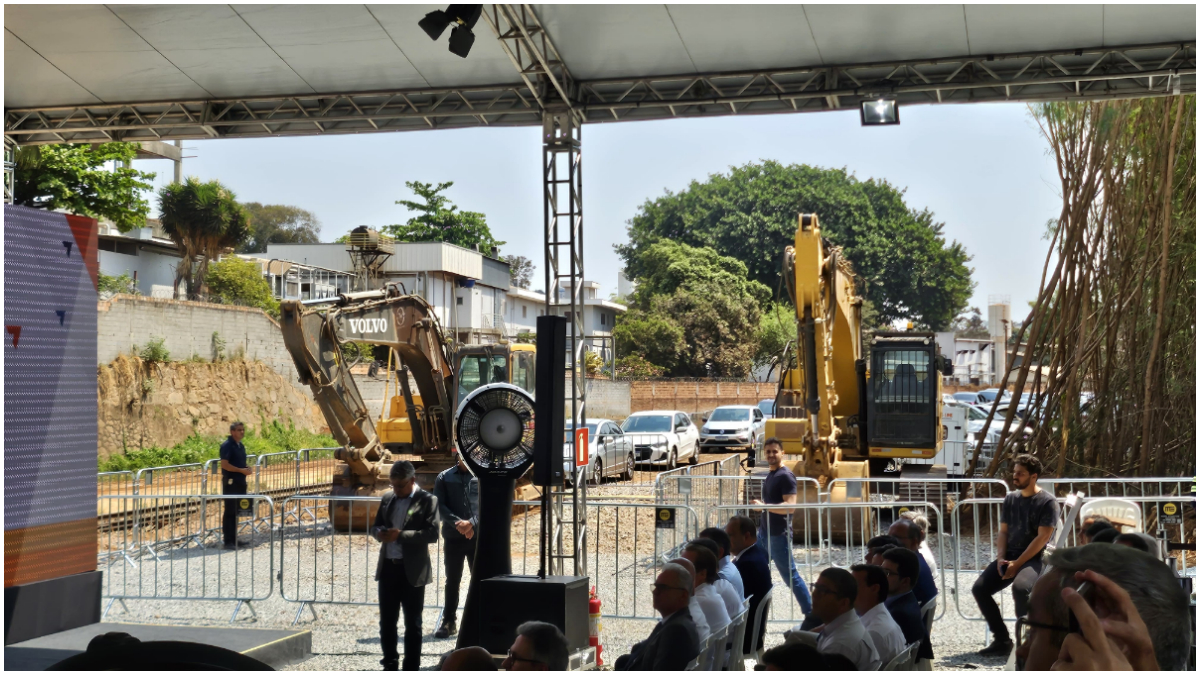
{"type": "Point", "coordinates": [984, 170]}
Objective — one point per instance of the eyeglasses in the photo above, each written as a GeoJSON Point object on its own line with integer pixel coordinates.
{"type": "Point", "coordinates": [819, 589]}
{"type": "Point", "coordinates": [514, 657]}
{"type": "Point", "coordinates": [888, 572]}
{"type": "Point", "coordinates": [1025, 627]}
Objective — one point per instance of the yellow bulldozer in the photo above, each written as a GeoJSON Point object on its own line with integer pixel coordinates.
{"type": "Point", "coordinates": [840, 414]}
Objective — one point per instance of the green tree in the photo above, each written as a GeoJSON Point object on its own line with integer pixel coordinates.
{"type": "Point", "coordinates": [278, 224]}
{"type": "Point", "coordinates": [73, 178]}
{"type": "Point", "coordinates": [654, 337]}
{"type": "Point", "coordinates": [440, 220]}
{"type": "Point", "coordinates": [668, 265]}
{"type": "Point", "coordinates": [634, 366]}
{"type": "Point", "coordinates": [234, 281]}
{"type": "Point", "coordinates": [971, 325]}
{"type": "Point", "coordinates": [693, 334]}
{"type": "Point", "coordinates": [521, 270]}
{"type": "Point", "coordinates": [905, 266]}
{"type": "Point", "coordinates": [776, 327]}
{"type": "Point", "coordinates": [204, 220]}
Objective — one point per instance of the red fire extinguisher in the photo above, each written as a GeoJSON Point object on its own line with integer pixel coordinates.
{"type": "Point", "coordinates": [594, 625]}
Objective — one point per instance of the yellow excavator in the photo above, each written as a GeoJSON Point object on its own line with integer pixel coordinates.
{"type": "Point", "coordinates": [841, 415]}
{"type": "Point", "coordinates": [421, 423]}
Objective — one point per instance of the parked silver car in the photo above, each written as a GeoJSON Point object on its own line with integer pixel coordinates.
{"type": "Point", "coordinates": [610, 451]}
{"type": "Point", "coordinates": [733, 426]}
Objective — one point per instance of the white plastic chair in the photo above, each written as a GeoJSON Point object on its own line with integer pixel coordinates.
{"type": "Point", "coordinates": [905, 659]}
{"type": "Point", "coordinates": [756, 627]}
{"type": "Point", "coordinates": [712, 657]}
{"type": "Point", "coordinates": [736, 660]}
{"type": "Point", "coordinates": [1119, 511]}
{"type": "Point", "coordinates": [695, 663]}
{"type": "Point", "coordinates": [927, 613]}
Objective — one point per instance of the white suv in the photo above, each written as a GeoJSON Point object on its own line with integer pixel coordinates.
{"type": "Point", "coordinates": [663, 437]}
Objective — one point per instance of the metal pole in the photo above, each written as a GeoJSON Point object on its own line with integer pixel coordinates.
{"type": "Point", "coordinates": [10, 169]}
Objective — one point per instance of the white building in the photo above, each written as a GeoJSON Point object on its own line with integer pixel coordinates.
{"type": "Point", "coordinates": [974, 359]}
{"type": "Point", "coordinates": [468, 290]}
{"type": "Point", "coordinates": [145, 254]}
{"type": "Point", "coordinates": [524, 307]}
{"type": "Point", "coordinates": [599, 315]}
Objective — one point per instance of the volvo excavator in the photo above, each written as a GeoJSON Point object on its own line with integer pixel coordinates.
{"type": "Point", "coordinates": [840, 414]}
{"type": "Point", "coordinates": [419, 425]}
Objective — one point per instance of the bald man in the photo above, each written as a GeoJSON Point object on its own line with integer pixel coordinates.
{"type": "Point", "coordinates": [698, 618]}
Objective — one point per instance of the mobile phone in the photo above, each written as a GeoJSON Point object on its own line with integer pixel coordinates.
{"type": "Point", "coordinates": [1087, 591]}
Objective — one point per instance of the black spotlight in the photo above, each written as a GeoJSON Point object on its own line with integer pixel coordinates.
{"type": "Point", "coordinates": [881, 111]}
{"type": "Point", "coordinates": [461, 38]}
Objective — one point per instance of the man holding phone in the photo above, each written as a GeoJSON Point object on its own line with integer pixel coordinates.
{"type": "Point", "coordinates": [1027, 522]}
{"type": "Point", "coordinates": [406, 523]}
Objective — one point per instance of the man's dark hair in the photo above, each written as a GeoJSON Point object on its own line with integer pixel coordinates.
{"type": "Point", "coordinates": [402, 470]}
{"type": "Point", "coordinates": [1106, 535]}
{"type": "Point", "coordinates": [708, 544]}
{"type": "Point", "coordinates": [1134, 540]}
{"type": "Point", "coordinates": [837, 662]}
{"type": "Point", "coordinates": [235, 425]}
{"type": "Point", "coordinates": [706, 559]}
{"type": "Point", "coordinates": [1096, 528]}
{"type": "Point", "coordinates": [845, 586]}
{"type": "Point", "coordinates": [875, 577]}
{"type": "Point", "coordinates": [720, 537]}
{"type": "Point", "coordinates": [1032, 464]}
{"type": "Point", "coordinates": [1097, 518]}
{"type": "Point", "coordinates": [881, 540]}
{"type": "Point", "coordinates": [773, 440]}
{"type": "Point", "coordinates": [744, 525]}
{"type": "Point", "coordinates": [906, 563]}
{"type": "Point", "coordinates": [549, 645]}
{"type": "Point", "coordinates": [882, 550]}
{"type": "Point", "coordinates": [469, 658]}
{"type": "Point", "coordinates": [793, 656]}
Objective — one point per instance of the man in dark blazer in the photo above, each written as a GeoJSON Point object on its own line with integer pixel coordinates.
{"type": "Point", "coordinates": [673, 642]}
{"type": "Point", "coordinates": [406, 523]}
{"type": "Point", "coordinates": [902, 570]}
{"type": "Point", "coordinates": [751, 562]}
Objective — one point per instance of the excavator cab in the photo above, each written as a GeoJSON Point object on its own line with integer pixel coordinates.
{"type": "Point", "coordinates": [904, 395]}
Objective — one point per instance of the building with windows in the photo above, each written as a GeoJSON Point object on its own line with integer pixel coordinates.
{"type": "Point", "coordinates": [145, 254]}
{"type": "Point", "coordinates": [469, 291]}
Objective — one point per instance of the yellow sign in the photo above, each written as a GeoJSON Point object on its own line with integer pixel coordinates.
{"type": "Point", "coordinates": [665, 514]}
{"type": "Point", "coordinates": [1169, 509]}
{"type": "Point", "coordinates": [245, 503]}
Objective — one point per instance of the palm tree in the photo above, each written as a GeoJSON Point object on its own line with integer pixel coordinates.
{"type": "Point", "coordinates": [204, 220]}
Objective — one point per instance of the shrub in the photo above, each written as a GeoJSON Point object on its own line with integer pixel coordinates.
{"type": "Point", "coordinates": [155, 351]}
{"type": "Point", "coordinates": [234, 281]}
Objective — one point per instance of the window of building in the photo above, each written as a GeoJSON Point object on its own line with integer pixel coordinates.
{"type": "Point", "coordinates": [458, 301]}
{"type": "Point", "coordinates": [602, 319]}
{"type": "Point", "coordinates": [524, 311]}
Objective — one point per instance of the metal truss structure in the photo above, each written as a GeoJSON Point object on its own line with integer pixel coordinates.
{"type": "Point", "coordinates": [10, 169]}
{"type": "Point", "coordinates": [1081, 74]}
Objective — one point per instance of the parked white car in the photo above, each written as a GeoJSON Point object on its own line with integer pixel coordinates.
{"type": "Point", "coordinates": [663, 437]}
{"type": "Point", "coordinates": [610, 451]}
{"type": "Point", "coordinates": [733, 426]}
{"type": "Point", "coordinates": [977, 415]}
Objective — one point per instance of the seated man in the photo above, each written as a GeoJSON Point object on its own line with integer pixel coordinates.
{"type": "Point", "coordinates": [469, 658]}
{"type": "Point", "coordinates": [673, 643]}
{"type": "Point", "coordinates": [1090, 522]}
{"type": "Point", "coordinates": [1144, 609]}
{"type": "Point", "coordinates": [876, 546]}
{"type": "Point", "coordinates": [539, 646]}
{"type": "Point", "coordinates": [1088, 534]}
{"type": "Point", "coordinates": [872, 593]}
{"type": "Point", "coordinates": [725, 567]}
{"type": "Point", "coordinates": [1139, 540]}
{"type": "Point", "coordinates": [698, 617]}
{"type": "Point", "coordinates": [834, 595]}
{"type": "Point", "coordinates": [751, 562]}
{"type": "Point", "coordinates": [902, 568]}
{"type": "Point", "coordinates": [910, 536]}
{"type": "Point", "coordinates": [725, 590]}
{"type": "Point", "coordinates": [793, 657]}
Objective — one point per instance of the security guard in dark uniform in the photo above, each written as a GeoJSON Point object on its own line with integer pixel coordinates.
{"type": "Point", "coordinates": [457, 492]}
{"type": "Point", "coordinates": [233, 480]}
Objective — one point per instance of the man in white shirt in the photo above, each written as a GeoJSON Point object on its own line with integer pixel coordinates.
{"type": "Point", "coordinates": [733, 601]}
{"type": "Point", "coordinates": [697, 612]}
{"type": "Point", "coordinates": [885, 633]}
{"type": "Point", "coordinates": [725, 567]}
{"type": "Point", "coordinates": [842, 633]}
{"type": "Point", "coordinates": [705, 564]}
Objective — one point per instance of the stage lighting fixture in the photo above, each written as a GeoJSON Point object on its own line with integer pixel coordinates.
{"type": "Point", "coordinates": [880, 111]}
{"type": "Point", "coordinates": [461, 38]}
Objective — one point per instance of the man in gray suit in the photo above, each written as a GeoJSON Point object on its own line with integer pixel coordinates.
{"type": "Point", "coordinates": [406, 523]}
{"type": "Point", "coordinates": [673, 642]}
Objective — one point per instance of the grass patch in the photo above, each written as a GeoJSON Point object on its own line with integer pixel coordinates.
{"type": "Point", "coordinates": [273, 437]}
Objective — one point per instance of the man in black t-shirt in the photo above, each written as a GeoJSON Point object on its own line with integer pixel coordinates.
{"type": "Point", "coordinates": [233, 480]}
{"type": "Point", "coordinates": [775, 530]}
{"type": "Point", "coordinates": [1027, 522]}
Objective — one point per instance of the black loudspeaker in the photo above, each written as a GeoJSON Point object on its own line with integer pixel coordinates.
{"type": "Point", "coordinates": [548, 403]}
{"type": "Point", "coordinates": [506, 602]}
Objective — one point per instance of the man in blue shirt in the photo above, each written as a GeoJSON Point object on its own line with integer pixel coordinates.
{"type": "Point", "coordinates": [909, 536]}
{"type": "Point", "coordinates": [457, 493]}
{"type": "Point", "coordinates": [233, 481]}
{"type": "Point", "coordinates": [775, 530]}
{"type": "Point", "coordinates": [901, 567]}
{"type": "Point", "coordinates": [725, 567]}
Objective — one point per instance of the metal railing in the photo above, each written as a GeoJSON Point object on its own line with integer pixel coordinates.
{"type": "Point", "coordinates": [182, 566]}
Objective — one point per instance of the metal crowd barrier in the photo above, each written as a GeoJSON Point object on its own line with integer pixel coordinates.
{"type": "Point", "coordinates": [183, 566]}
{"type": "Point", "coordinates": [840, 542]}
{"type": "Point", "coordinates": [1120, 487]}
